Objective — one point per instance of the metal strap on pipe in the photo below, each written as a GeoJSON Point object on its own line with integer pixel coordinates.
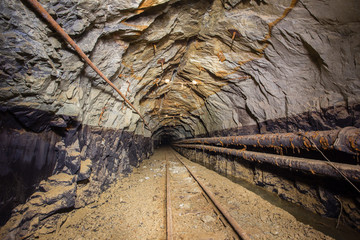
{"type": "Point", "coordinates": [312, 166]}
{"type": "Point", "coordinates": [345, 140]}
{"type": "Point", "coordinates": [37, 6]}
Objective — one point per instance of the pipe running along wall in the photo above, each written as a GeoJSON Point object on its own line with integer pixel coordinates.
{"type": "Point", "coordinates": [345, 140]}
{"type": "Point", "coordinates": [312, 166]}
{"type": "Point", "coordinates": [41, 10]}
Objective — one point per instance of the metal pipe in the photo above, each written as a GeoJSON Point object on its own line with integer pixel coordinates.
{"type": "Point", "coordinates": [41, 10]}
{"type": "Point", "coordinates": [301, 164]}
{"type": "Point", "coordinates": [345, 140]}
{"type": "Point", "coordinates": [242, 234]}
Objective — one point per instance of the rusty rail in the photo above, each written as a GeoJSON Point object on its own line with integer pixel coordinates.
{"type": "Point", "coordinates": [345, 140]}
{"type": "Point", "coordinates": [312, 166]}
{"type": "Point", "coordinates": [168, 203]}
{"type": "Point", "coordinates": [242, 234]}
{"type": "Point", "coordinates": [41, 10]}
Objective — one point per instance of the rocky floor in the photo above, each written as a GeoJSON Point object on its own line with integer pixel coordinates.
{"type": "Point", "coordinates": [134, 208]}
{"type": "Point", "coordinates": [193, 214]}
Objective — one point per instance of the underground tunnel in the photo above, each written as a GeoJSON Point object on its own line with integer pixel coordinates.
{"type": "Point", "coordinates": [179, 119]}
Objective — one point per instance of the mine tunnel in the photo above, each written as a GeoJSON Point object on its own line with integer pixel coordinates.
{"type": "Point", "coordinates": [179, 119]}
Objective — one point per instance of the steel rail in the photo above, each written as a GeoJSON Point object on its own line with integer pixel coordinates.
{"type": "Point", "coordinates": [345, 140]}
{"type": "Point", "coordinates": [233, 223]}
{"type": "Point", "coordinates": [42, 11]}
{"type": "Point", "coordinates": [312, 166]}
{"type": "Point", "coordinates": [168, 203]}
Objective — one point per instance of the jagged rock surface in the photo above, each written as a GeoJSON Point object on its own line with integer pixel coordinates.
{"type": "Point", "coordinates": [191, 68]}
{"type": "Point", "coordinates": [253, 61]}
{"type": "Point", "coordinates": [78, 161]}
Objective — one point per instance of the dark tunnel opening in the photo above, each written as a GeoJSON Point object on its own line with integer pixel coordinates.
{"type": "Point", "coordinates": [166, 135]}
{"type": "Point", "coordinates": [165, 140]}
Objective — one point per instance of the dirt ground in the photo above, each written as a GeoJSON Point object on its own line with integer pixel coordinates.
{"type": "Point", "coordinates": [193, 214]}
{"type": "Point", "coordinates": [135, 208]}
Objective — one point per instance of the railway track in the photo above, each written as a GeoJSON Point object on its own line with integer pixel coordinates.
{"type": "Point", "coordinates": [192, 211]}
{"type": "Point", "coordinates": [162, 200]}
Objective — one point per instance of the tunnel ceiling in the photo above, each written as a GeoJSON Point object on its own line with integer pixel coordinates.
{"type": "Point", "coordinates": [190, 67]}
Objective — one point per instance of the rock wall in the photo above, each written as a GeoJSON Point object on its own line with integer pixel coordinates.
{"type": "Point", "coordinates": [61, 127]}
{"type": "Point", "coordinates": [77, 162]}
{"type": "Point", "coordinates": [291, 76]}
{"type": "Point", "coordinates": [334, 117]}
{"type": "Point", "coordinates": [39, 70]}
{"type": "Point", "coordinates": [287, 58]}
{"type": "Point", "coordinates": [191, 67]}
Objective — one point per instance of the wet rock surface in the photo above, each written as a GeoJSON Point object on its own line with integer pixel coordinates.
{"type": "Point", "coordinates": [77, 161]}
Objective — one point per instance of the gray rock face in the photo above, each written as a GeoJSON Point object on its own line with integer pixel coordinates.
{"type": "Point", "coordinates": [252, 61]}
{"type": "Point", "coordinates": [190, 67]}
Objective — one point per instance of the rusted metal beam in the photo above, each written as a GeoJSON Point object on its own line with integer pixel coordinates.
{"type": "Point", "coordinates": [312, 166]}
{"type": "Point", "coordinates": [345, 140]}
{"type": "Point", "coordinates": [168, 203]}
{"type": "Point", "coordinates": [234, 224]}
{"type": "Point", "coordinates": [41, 10]}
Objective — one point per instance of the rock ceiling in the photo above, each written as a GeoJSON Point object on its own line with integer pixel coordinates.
{"type": "Point", "coordinates": [190, 67]}
{"type": "Point", "coordinates": [200, 51]}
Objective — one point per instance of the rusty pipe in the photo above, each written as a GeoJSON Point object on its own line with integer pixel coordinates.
{"type": "Point", "coordinates": [345, 140]}
{"type": "Point", "coordinates": [168, 203]}
{"type": "Point", "coordinates": [42, 11]}
{"type": "Point", "coordinates": [312, 166]}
